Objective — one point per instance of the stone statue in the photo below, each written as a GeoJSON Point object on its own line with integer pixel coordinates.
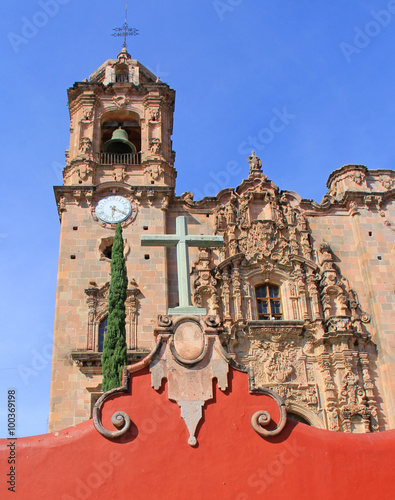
{"type": "Point", "coordinates": [254, 162]}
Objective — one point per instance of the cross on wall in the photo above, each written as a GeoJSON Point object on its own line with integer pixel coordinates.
{"type": "Point", "coordinates": [182, 241]}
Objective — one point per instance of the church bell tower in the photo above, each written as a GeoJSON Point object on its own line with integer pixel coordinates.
{"type": "Point", "coordinates": [119, 168]}
{"type": "Point", "coordinates": [121, 126]}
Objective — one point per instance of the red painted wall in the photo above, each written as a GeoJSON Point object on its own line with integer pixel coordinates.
{"type": "Point", "coordinates": [154, 461]}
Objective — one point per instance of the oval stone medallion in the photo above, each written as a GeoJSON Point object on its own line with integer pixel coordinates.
{"type": "Point", "coordinates": [189, 340]}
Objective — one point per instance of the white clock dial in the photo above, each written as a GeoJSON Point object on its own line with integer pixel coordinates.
{"type": "Point", "coordinates": [113, 209]}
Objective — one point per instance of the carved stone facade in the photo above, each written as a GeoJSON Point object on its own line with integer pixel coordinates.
{"type": "Point", "coordinates": [304, 291]}
{"type": "Point", "coordinates": [319, 356]}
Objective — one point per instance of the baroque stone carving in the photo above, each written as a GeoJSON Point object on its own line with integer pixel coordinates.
{"type": "Point", "coordinates": [97, 301]}
{"type": "Point", "coordinates": [121, 101]}
{"type": "Point", "coordinates": [154, 114]}
{"type": "Point", "coordinates": [86, 146]}
{"type": "Point", "coordinates": [387, 182]}
{"type": "Point", "coordinates": [189, 342]}
{"type": "Point", "coordinates": [205, 291]}
{"type": "Point", "coordinates": [278, 367]}
{"type": "Point", "coordinates": [132, 305]}
{"type": "Point", "coordinates": [62, 205]}
{"type": "Point", "coordinates": [353, 402]}
{"type": "Point", "coordinates": [333, 383]}
{"type": "Point", "coordinates": [272, 230]}
{"type": "Point", "coordinates": [267, 239]}
{"type": "Point", "coordinates": [340, 304]}
{"type": "Point", "coordinates": [155, 171]}
{"type": "Point", "coordinates": [155, 146]}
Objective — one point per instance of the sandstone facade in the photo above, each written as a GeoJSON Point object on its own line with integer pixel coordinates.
{"type": "Point", "coordinates": [305, 291]}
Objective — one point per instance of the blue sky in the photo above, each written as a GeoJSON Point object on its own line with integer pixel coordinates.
{"type": "Point", "coordinates": [326, 67]}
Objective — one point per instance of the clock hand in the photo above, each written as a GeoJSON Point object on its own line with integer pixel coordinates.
{"type": "Point", "coordinates": [120, 211]}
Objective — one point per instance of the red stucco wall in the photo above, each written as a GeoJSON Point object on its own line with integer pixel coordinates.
{"type": "Point", "coordinates": [154, 461]}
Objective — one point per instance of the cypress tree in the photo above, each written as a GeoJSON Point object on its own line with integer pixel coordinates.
{"type": "Point", "coordinates": [114, 356]}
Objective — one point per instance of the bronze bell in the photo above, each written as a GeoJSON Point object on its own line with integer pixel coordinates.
{"type": "Point", "coordinates": [119, 143]}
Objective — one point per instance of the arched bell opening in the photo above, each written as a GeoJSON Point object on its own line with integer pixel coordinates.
{"type": "Point", "coordinates": [122, 73]}
{"type": "Point", "coordinates": [119, 143]}
{"type": "Point", "coordinates": [120, 138]}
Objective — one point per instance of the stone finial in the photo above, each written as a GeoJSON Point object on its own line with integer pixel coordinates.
{"type": "Point", "coordinates": [124, 55]}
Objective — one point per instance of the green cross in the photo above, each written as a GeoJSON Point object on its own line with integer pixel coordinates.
{"type": "Point", "coordinates": [182, 241]}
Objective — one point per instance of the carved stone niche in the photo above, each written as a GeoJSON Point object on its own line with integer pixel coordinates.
{"type": "Point", "coordinates": [97, 301]}
{"type": "Point", "coordinates": [190, 358]}
{"type": "Point", "coordinates": [262, 225]}
{"type": "Point", "coordinates": [89, 360]}
{"type": "Point", "coordinates": [204, 283]}
{"type": "Point", "coordinates": [342, 311]}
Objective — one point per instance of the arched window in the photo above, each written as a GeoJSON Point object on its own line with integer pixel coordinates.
{"type": "Point", "coordinates": [268, 302]}
{"type": "Point", "coordinates": [122, 73]}
{"type": "Point", "coordinates": [102, 333]}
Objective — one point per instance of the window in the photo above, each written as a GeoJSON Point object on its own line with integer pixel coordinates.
{"type": "Point", "coordinates": [268, 302]}
{"type": "Point", "coordinates": [102, 333]}
{"type": "Point", "coordinates": [107, 252]}
{"type": "Point", "coordinates": [105, 248]}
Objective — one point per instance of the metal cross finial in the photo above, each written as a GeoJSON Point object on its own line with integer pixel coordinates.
{"type": "Point", "coordinates": [125, 31]}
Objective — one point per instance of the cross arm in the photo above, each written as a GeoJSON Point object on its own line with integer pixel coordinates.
{"type": "Point", "coordinates": [204, 241]}
{"type": "Point", "coordinates": [166, 240]}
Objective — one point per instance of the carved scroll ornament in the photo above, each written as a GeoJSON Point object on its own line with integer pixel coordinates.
{"type": "Point", "coordinates": [121, 419]}
{"type": "Point", "coordinates": [262, 419]}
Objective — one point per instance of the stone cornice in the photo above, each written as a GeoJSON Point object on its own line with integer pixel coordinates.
{"type": "Point", "coordinates": [61, 190]}
{"type": "Point", "coordinates": [89, 362]}
{"type": "Point", "coordinates": [99, 88]}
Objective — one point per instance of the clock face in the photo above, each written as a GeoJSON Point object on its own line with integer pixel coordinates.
{"type": "Point", "coordinates": [113, 209]}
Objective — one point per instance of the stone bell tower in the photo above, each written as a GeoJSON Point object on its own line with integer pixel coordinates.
{"type": "Point", "coordinates": [123, 98]}
{"type": "Point", "coordinates": [119, 168]}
